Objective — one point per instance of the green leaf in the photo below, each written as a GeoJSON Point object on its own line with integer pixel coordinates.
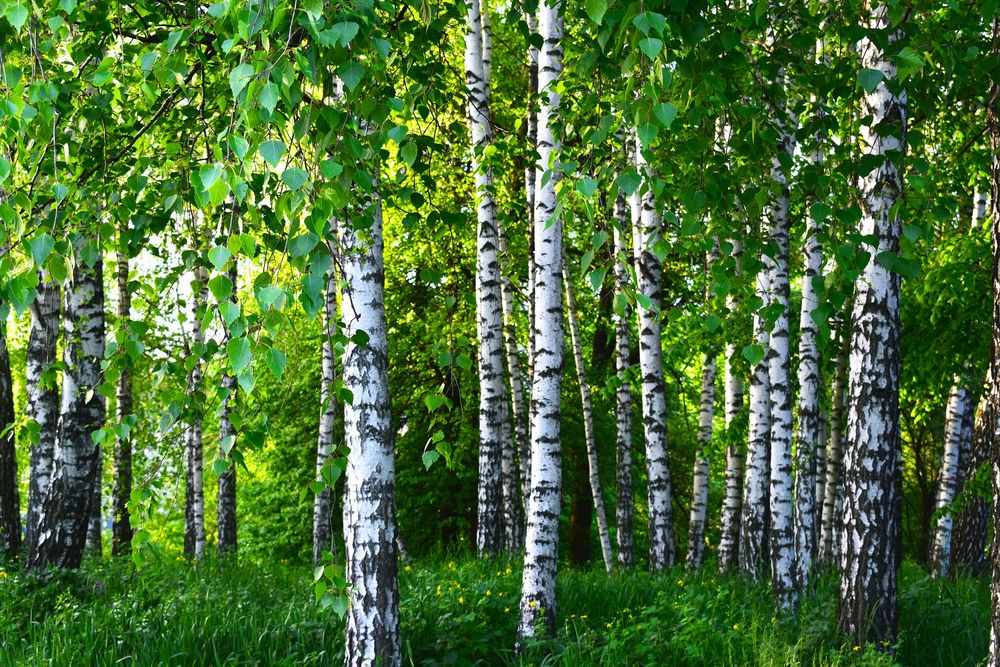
{"type": "Point", "coordinates": [41, 246]}
{"type": "Point", "coordinates": [272, 151]}
{"type": "Point", "coordinates": [239, 78]}
{"type": "Point", "coordinates": [221, 287]}
{"type": "Point", "coordinates": [587, 187]}
{"type": "Point", "coordinates": [330, 169]}
{"type": "Point", "coordinates": [17, 16]}
{"type": "Point", "coordinates": [219, 256]}
{"type": "Point", "coordinates": [276, 361]}
{"type": "Point", "coordinates": [271, 296]}
{"type": "Point", "coordinates": [665, 113]}
{"type": "Point", "coordinates": [869, 79]}
{"type": "Point", "coordinates": [596, 10]}
{"type": "Point", "coordinates": [651, 46]}
{"type": "Point", "coordinates": [268, 97]}
{"type": "Point", "coordinates": [294, 178]}
{"type": "Point", "coordinates": [239, 145]}
{"type": "Point", "coordinates": [220, 466]}
{"type": "Point", "coordinates": [348, 31]}
{"type": "Point", "coordinates": [429, 458]}
{"type": "Point", "coordinates": [208, 175]}
{"type": "Point", "coordinates": [302, 245]}
{"type": "Point", "coordinates": [753, 353]}
{"type": "Point", "coordinates": [629, 182]}
{"type": "Point", "coordinates": [351, 74]}
{"type": "Point", "coordinates": [60, 191]}
{"type": "Point", "coordinates": [408, 152]}
{"type": "Point", "coordinates": [908, 62]}
{"type": "Point", "coordinates": [713, 322]}
{"type": "Point", "coordinates": [647, 133]}
{"type": "Point", "coordinates": [238, 350]}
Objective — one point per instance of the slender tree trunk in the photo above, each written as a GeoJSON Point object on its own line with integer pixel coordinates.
{"type": "Point", "coordinates": [993, 130]}
{"type": "Point", "coordinates": [66, 507]}
{"type": "Point", "coordinates": [971, 526]}
{"type": "Point", "coordinates": [43, 397]}
{"type": "Point", "coordinates": [10, 501]}
{"type": "Point", "coordinates": [869, 562]}
{"type": "Point", "coordinates": [645, 234]}
{"type": "Point", "coordinates": [94, 520]}
{"type": "Point", "coordinates": [370, 528]}
{"type": "Point", "coordinates": [538, 587]}
{"type": "Point", "coordinates": [588, 424]}
{"type": "Point", "coordinates": [121, 527]}
{"type": "Point", "coordinates": [226, 515]}
{"type": "Point", "coordinates": [958, 405]}
{"type": "Point", "coordinates": [492, 393]}
{"type": "Point", "coordinates": [194, 452]}
{"type": "Point", "coordinates": [699, 492]}
{"type": "Point", "coordinates": [517, 419]}
{"type": "Point", "coordinates": [829, 543]}
{"type": "Point", "coordinates": [732, 502]}
{"type": "Point", "coordinates": [623, 394]}
{"type": "Point", "coordinates": [755, 514]}
{"type": "Point", "coordinates": [322, 524]}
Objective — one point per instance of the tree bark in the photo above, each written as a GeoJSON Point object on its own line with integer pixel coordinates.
{"type": "Point", "coordinates": [492, 393]}
{"type": "Point", "coordinates": [732, 502]}
{"type": "Point", "coordinates": [194, 452]}
{"type": "Point", "coordinates": [623, 394]}
{"type": "Point", "coordinates": [699, 492]}
{"type": "Point", "coordinates": [645, 235]}
{"type": "Point", "coordinates": [538, 587]}
{"type": "Point", "coordinates": [121, 527]}
{"type": "Point", "coordinates": [226, 498]}
{"type": "Point", "coordinates": [370, 528]}
{"type": "Point", "coordinates": [971, 525]}
{"type": "Point", "coordinates": [588, 425]}
{"type": "Point", "coordinates": [833, 495]}
{"type": "Point", "coordinates": [958, 405]}
{"type": "Point", "coordinates": [322, 520]}
{"type": "Point", "coordinates": [43, 397]}
{"type": "Point", "coordinates": [869, 563]}
{"type": "Point", "coordinates": [66, 507]}
{"type": "Point", "coordinates": [993, 130]}
{"type": "Point", "coordinates": [10, 501]}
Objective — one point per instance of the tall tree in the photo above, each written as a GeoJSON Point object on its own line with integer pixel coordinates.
{"type": "Point", "coordinates": [121, 526]}
{"type": "Point", "coordinates": [65, 511]}
{"type": "Point", "coordinates": [43, 396]}
{"type": "Point", "coordinates": [699, 493]}
{"type": "Point", "coordinates": [623, 393]}
{"type": "Point", "coordinates": [729, 541]}
{"type": "Point", "coordinates": [370, 528]}
{"type": "Point", "coordinates": [593, 476]}
{"type": "Point", "coordinates": [955, 415]}
{"type": "Point", "coordinates": [489, 319]}
{"type": "Point", "coordinates": [194, 452]}
{"type": "Point", "coordinates": [322, 525]}
{"type": "Point", "coordinates": [870, 558]}
{"type": "Point", "coordinates": [10, 502]}
{"type": "Point", "coordinates": [833, 494]}
{"type": "Point", "coordinates": [226, 497]}
{"type": "Point", "coordinates": [993, 130]}
{"type": "Point", "coordinates": [646, 233]}
{"type": "Point", "coordinates": [972, 523]}
{"type": "Point", "coordinates": [538, 586]}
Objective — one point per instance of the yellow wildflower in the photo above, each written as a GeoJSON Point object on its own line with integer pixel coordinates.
{"type": "Point", "coordinates": [438, 593]}
{"type": "Point", "coordinates": [461, 600]}
{"type": "Point", "coordinates": [532, 604]}
{"type": "Point", "coordinates": [506, 610]}
{"type": "Point", "coordinates": [488, 592]}
{"type": "Point", "coordinates": [736, 626]}
{"type": "Point", "coordinates": [857, 648]}
{"type": "Point", "coordinates": [407, 568]}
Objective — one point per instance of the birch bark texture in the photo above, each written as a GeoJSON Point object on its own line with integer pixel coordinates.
{"type": "Point", "coordinates": [869, 610]}
{"type": "Point", "coordinates": [370, 529]}
{"type": "Point", "coordinates": [646, 233]}
{"type": "Point", "coordinates": [194, 452]}
{"type": "Point", "coordinates": [43, 396]}
{"type": "Point", "coordinates": [121, 525]}
{"type": "Point", "coordinates": [623, 393]}
{"type": "Point", "coordinates": [699, 491]}
{"type": "Point", "coordinates": [226, 514]}
{"type": "Point", "coordinates": [993, 131]}
{"type": "Point", "coordinates": [971, 525]}
{"type": "Point", "coordinates": [593, 477]}
{"type": "Point", "coordinates": [322, 526]}
{"type": "Point", "coordinates": [732, 501]}
{"type": "Point", "coordinates": [833, 495]}
{"type": "Point", "coordinates": [955, 415]}
{"type": "Point", "coordinates": [538, 586]}
{"type": "Point", "coordinates": [489, 319]}
{"type": "Point", "coordinates": [65, 511]}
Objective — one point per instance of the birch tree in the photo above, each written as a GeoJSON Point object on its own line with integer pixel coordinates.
{"type": "Point", "coordinates": [370, 528]}
{"type": "Point", "coordinates": [623, 393]}
{"type": "Point", "coordinates": [194, 452]}
{"type": "Point", "coordinates": [729, 541]}
{"type": "Point", "coordinates": [594, 477]}
{"type": "Point", "coordinates": [955, 414]}
{"type": "Point", "coordinates": [869, 561]}
{"type": "Point", "coordinates": [699, 493]}
{"type": "Point", "coordinates": [328, 414]}
{"type": "Point", "coordinates": [226, 497]}
{"type": "Point", "coordinates": [993, 131]}
{"type": "Point", "coordinates": [43, 397]}
{"type": "Point", "coordinates": [65, 510]}
{"type": "Point", "coordinates": [10, 502]}
{"type": "Point", "coordinates": [121, 526]}
{"type": "Point", "coordinates": [833, 497]}
{"type": "Point", "coordinates": [538, 586]}
{"type": "Point", "coordinates": [489, 320]}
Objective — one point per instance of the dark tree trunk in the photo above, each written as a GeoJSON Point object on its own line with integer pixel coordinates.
{"type": "Point", "coordinates": [227, 438]}
{"type": "Point", "coordinates": [121, 527]}
{"type": "Point", "coordinates": [10, 506]}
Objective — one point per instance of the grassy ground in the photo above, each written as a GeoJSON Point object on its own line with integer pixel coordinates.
{"type": "Point", "coordinates": [460, 613]}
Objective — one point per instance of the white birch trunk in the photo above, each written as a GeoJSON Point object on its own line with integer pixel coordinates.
{"type": "Point", "coordinates": [646, 233]}
{"type": "Point", "coordinates": [194, 452]}
{"type": "Point", "coordinates": [588, 424]}
{"type": "Point", "coordinates": [829, 542]}
{"type": "Point", "coordinates": [869, 560]}
{"type": "Point", "coordinates": [623, 394]}
{"type": "Point", "coordinates": [372, 632]}
{"type": "Point", "coordinates": [699, 491]}
{"type": "Point", "coordinates": [538, 587]}
{"type": "Point", "coordinates": [955, 415]}
{"type": "Point", "coordinates": [322, 527]}
{"type": "Point", "coordinates": [732, 501]}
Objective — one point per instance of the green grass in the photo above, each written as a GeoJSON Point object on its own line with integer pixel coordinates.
{"type": "Point", "coordinates": [460, 612]}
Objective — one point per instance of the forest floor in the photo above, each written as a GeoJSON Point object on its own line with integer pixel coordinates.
{"type": "Point", "coordinates": [461, 612]}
